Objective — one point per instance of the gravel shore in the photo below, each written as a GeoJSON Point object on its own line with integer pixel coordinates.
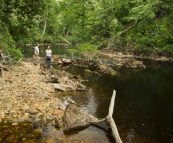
{"type": "Point", "coordinates": [24, 94]}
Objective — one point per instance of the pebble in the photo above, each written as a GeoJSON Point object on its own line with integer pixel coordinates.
{"type": "Point", "coordinates": [14, 124]}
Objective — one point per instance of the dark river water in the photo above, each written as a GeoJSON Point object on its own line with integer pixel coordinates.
{"type": "Point", "coordinates": [144, 100]}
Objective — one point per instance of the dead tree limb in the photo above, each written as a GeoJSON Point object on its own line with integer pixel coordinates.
{"type": "Point", "coordinates": [66, 40]}
{"type": "Point", "coordinates": [111, 121]}
{"type": "Point", "coordinates": [75, 118]}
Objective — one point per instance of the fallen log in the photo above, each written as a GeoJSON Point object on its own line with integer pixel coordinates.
{"type": "Point", "coordinates": [75, 118]}
{"type": "Point", "coordinates": [111, 121]}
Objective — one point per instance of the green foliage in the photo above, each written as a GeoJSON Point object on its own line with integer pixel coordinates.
{"type": "Point", "coordinates": [72, 52]}
{"type": "Point", "coordinates": [141, 24]}
{"type": "Point", "coordinates": [88, 50]}
{"type": "Point", "coordinates": [14, 53]}
{"type": "Point", "coordinates": [143, 9]}
{"type": "Point", "coordinates": [144, 25]}
{"type": "Point", "coordinates": [47, 39]}
{"type": "Point", "coordinates": [2, 46]}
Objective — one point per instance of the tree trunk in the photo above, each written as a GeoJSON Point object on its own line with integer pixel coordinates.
{"type": "Point", "coordinates": [45, 23]}
{"type": "Point", "coordinates": [66, 41]}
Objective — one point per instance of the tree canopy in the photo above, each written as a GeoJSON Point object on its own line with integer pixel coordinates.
{"type": "Point", "coordinates": [141, 25]}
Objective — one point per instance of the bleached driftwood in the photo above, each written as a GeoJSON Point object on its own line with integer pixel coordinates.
{"type": "Point", "coordinates": [111, 121]}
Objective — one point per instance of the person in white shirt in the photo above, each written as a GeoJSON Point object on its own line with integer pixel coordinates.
{"type": "Point", "coordinates": [48, 57]}
{"type": "Point", "coordinates": [36, 49]}
{"type": "Point", "coordinates": [36, 53]}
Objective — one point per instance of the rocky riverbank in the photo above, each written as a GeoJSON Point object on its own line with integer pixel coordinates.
{"type": "Point", "coordinates": [125, 55]}
{"type": "Point", "coordinates": [27, 93]}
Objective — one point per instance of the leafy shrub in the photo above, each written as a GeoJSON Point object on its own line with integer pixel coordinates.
{"type": "Point", "coordinates": [14, 53]}
{"type": "Point", "coordinates": [72, 52]}
{"type": "Point", "coordinates": [88, 50]}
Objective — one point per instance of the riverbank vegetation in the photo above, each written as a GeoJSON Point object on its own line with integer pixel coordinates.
{"type": "Point", "coordinates": [136, 25]}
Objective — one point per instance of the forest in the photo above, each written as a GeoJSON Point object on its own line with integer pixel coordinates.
{"type": "Point", "coordinates": [137, 25]}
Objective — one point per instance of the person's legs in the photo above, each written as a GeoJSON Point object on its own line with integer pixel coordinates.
{"type": "Point", "coordinates": [36, 60]}
{"type": "Point", "coordinates": [48, 61]}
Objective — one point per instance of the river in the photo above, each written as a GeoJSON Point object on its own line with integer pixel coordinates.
{"type": "Point", "coordinates": [143, 100]}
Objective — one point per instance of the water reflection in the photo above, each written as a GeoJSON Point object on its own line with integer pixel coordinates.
{"type": "Point", "coordinates": [143, 101]}
{"type": "Point", "coordinates": [90, 106]}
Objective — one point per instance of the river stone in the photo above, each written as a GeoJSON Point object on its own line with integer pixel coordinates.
{"type": "Point", "coordinates": [26, 114]}
{"type": "Point", "coordinates": [37, 119]}
{"type": "Point", "coordinates": [62, 107]}
{"type": "Point", "coordinates": [32, 91]}
{"type": "Point", "coordinates": [66, 61]}
{"type": "Point", "coordinates": [49, 118]}
{"type": "Point", "coordinates": [30, 120]}
{"type": "Point", "coordinates": [39, 130]}
{"type": "Point", "coordinates": [29, 83]}
{"type": "Point", "coordinates": [41, 108]}
{"type": "Point", "coordinates": [42, 78]}
{"type": "Point", "coordinates": [6, 112]}
{"type": "Point", "coordinates": [14, 124]}
{"type": "Point", "coordinates": [2, 81]}
{"type": "Point", "coordinates": [2, 114]}
{"type": "Point", "coordinates": [39, 114]}
{"type": "Point", "coordinates": [12, 111]}
{"type": "Point", "coordinates": [16, 120]}
{"type": "Point", "coordinates": [57, 112]}
{"type": "Point", "coordinates": [33, 110]}
{"type": "Point", "coordinates": [53, 123]}
{"type": "Point", "coordinates": [25, 107]}
{"type": "Point", "coordinates": [87, 70]}
{"type": "Point", "coordinates": [57, 122]}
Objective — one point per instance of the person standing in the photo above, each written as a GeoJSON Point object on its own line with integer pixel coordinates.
{"type": "Point", "coordinates": [36, 53]}
{"type": "Point", "coordinates": [48, 57]}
